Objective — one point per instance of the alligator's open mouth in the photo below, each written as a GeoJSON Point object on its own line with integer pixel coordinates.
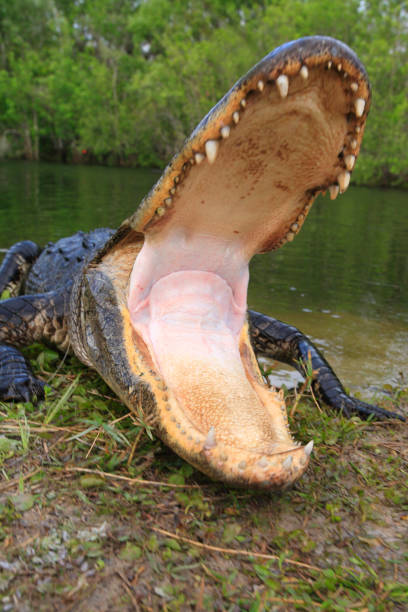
{"type": "Point", "coordinates": [243, 184]}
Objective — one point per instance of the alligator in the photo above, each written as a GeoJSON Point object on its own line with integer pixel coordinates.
{"type": "Point", "coordinates": [159, 306]}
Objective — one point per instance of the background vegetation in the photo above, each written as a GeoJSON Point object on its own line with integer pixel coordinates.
{"type": "Point", "coordinates": [124, 81]}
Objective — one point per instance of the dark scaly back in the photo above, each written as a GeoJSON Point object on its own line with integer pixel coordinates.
{"type": "Point", "coordinates": [60, 262]}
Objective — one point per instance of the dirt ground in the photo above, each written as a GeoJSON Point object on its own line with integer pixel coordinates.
{"type": "Point", "coordinates": [97, 516]}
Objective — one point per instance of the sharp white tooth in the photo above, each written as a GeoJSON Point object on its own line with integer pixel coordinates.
{"type": "Point", "coordinates": [288, 462]}
{"type": "Point", "coordinates": [210, 440]}
{"type": "Point", "coordinates": [358, 129]}
{"type": "Point", "coordinates": [349, 160]}
{"type": "Point", "coordinates": [260, 85]}
{"type": "Point", "coordinates": [160, 211]}
{"type": "Point", "coordinates": [168, 201]}
{"type": "Point", "coordinates": [290, 236]}
{"type": "Point", "coordinates": [243, 103]}
{"type": "Point", "coordinates": [359, 106]}
{"type": "Point", "coordinates": [329, 64]}
{"type": "Point", "coordinates": [282, 83]}
{"type": "Point", "coordinates": [199, 157]}
{"type": "Point", "coordinates": [353, 144]}
{"type": "Point", "coordinates": [235, 117]}
{"type": "Point", "coordinates": [304, 73]}
{"type": "Point", "coordinates": [294, 227]}
{"type": "Point", "coordinates": [339, 67]}
{"type": "Point", "coordinates": [211, 149]}
{"type": "Point", "coordinates": [354, 86]}
{"type": "Point", "coordinates": [173, 190]}
{"type": "Point", "coordinates": [309, 448]}
{"type": "Point", "coordinates": [343, 180]}
{"type": "Point", "coordinates": [334, 191]}
{"type": "Point", "coordinates": [225, 131]}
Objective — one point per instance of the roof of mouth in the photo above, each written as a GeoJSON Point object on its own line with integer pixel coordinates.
{"type": "Point", "coordinates": [281, 71]}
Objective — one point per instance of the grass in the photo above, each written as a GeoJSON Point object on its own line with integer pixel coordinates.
{"type": "Point", "coordinates": [96, 514]}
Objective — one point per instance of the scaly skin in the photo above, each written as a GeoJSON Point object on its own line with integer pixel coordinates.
{"type": "Point", "coordinates": [158, 308]}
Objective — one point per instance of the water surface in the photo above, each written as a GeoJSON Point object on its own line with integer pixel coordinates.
{"type": "Point", "coordinates": [343, 281]}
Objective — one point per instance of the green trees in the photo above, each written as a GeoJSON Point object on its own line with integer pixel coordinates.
{"type": "Point", "coordinates": [127, 80]}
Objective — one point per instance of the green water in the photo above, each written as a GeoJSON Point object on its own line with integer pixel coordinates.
{"type": "Point", "coordinates": [343, 281]}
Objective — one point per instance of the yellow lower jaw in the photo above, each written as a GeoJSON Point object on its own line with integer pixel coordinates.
{"type": "Point", "coordinates": [277, 462]}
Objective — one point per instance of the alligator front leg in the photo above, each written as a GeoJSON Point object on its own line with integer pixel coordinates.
{"type": "Point", "coordinates": [23, 320]}
{"type": "Point", "coordinates": [287, 344]}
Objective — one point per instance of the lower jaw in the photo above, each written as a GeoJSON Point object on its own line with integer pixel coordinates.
{"type": "Point", "coordinates": [219, 416]}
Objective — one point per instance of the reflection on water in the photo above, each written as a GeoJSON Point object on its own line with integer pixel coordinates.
{"type": "Point", "coordinates": [343, 281]}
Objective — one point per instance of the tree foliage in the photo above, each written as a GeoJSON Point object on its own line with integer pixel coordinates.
{"type": "Point", "coordinates": [125, 81]}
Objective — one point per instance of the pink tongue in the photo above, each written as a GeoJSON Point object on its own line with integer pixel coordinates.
{"type": "Point", "coordinates": [194, 328]}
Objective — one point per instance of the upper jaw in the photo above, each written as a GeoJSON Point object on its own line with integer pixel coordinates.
{"type": "Point", "coordinates": [243, 183]}
{"type": "Point", "coordinates": [285, 72]}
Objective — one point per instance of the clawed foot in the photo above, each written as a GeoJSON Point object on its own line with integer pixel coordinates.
{"type": "Point", "coordinates": [23, 388]}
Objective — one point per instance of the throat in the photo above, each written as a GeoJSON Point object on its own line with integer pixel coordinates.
{"type": "Point", "coordinates": [189, 312]}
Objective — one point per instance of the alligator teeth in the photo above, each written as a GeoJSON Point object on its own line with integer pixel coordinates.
{"type": "Point", "coordinates": [211, 148]}
{"type": "Point", "coordinates": [290, 236]}
{"type": "Point", "coordinates": [235, 117]}
{"type": "Point", "coordinates": [359, 106]}
{"type": "Point", "coordinates": [343, 180]}
{"type": "Point", "coordinates": [168, 201]}
{"type": "Point", "coordinates": [225, 131]}
{"type": "Point", "coordinates": [339, 67]}
{"type": "Point", "coordinates": [329, 64]}
{"type": "Point", "coordinates": [304, 73]}
{"type": "Point", "coordinates": [199, 157]}
{"type": "Point", "coordinates": [354, 86]}
{"type": "Point", "coordinates": [294, 227]}
{"type": "Point", "coordinates": [173, 190]}
{"type": "Point", "coordinates": [309, 448]}
{"type": "Point", "coordinates": [260, 85]}
{"type": "Point", "coordinates": [282, 83]}
{"type": "Point", "coordinates": [288, 462]}
{"type": "Point", "coordinates": [358, 129]}
{"type": "Point", "coordinates": [210, 440]}
{"type": "Point", "coordinates": [334, 191]}
{"type": "Point", "coordinates": [160, 211]}
{"type": "Point", "coordinates": [349, 160]}
{"type": "Point", "coordinates": [353, 144]}
{"type": "Point", "coordinates": [243, 103]}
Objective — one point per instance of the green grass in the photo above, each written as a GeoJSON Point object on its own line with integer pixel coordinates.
{"type": "Point", "coordinates": [97, 515]}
